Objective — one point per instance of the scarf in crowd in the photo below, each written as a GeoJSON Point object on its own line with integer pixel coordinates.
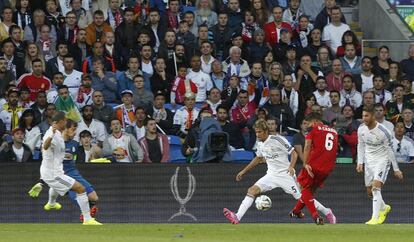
{"type": "Point", "coordinates": [189, 121]}
{"type": "Point", "coordinates": [68, 107]}
{"type": "Point", "coordinates": [83, 90]}
{"type": "Point", "coordinates": [114, 20]}
{"type": "Point", "coordinates": [172, 20]}
{"type": "Point", "coordinates": [14, 122]}
{"type": "Point", "coordinates": [160, 114]}
{"type": "Point", "coordinates": [127, 121]}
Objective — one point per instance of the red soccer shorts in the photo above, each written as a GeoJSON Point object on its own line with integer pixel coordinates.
{"type": "Point", "coordinates": [306, 181]}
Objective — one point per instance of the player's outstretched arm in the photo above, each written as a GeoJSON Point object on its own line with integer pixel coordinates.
{"type": "Point", "coordinates": [257, 160]}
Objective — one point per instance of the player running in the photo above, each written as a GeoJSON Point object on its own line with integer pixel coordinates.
{"type": "Point", "coordinates": [319, 157]}
{"type": "Point", "coordinates": [375, 152]}
{"type": "Point", "coordinates": [51, 169]}
{"type": "Point", "coordinates": [274, 150]}
{"type": "Point", "coordinates": [69, 169]}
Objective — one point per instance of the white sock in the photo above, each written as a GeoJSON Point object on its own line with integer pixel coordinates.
{"type": "Point", "coordinates": [53, 195]}
{"type": "Point", "coordinates": [321, 208]}
{"type": "Point", "coordinates": [246, 204]}
{"type": "Point", "coordinates": [382, 208]}
{"type": "Point", "coordinates": [376, 202]}
{"type": "Point", "coordinates": [83, 202]}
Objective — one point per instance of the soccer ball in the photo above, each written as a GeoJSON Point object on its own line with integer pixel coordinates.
{"type": "Point", "coordinates": [263, 203]}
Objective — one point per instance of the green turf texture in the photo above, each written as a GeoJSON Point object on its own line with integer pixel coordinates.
{"type": "Point", "coordinates": [206, 232]}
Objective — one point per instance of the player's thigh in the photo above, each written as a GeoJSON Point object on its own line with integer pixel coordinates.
{"type": "Point", "coordinates": [79, 178]}
{"type": "Point", "coordinates": [368, 175]}
{"type": "Point", "coordinates": [267, 183]}
{"type": "Point", "coordinates": [305, 180]}
{"type": "Point", "coordinates": [380, 174]}
{"type": "Point", "coordinates": [289, 185]}
{"type": "Point", "coordinates": [61, 184]}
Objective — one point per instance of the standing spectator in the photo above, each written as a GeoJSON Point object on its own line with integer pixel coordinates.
{"type": "Point", "coordinates": [364, 81]}
{"type": "Point", "coordinates": [161, 80]}
{"type": "Point", "coordinates": [380, 117]}
{"type": "Point", "coordinates": [126, 111]}
{"type": "Point", "coordinates": [333, 32]}
{"type": "Point", "coordinates": [234, 13]}
{"type": "Point", "coordinates": [181, 86]}
{"type": "Point", "coordinates": [126, 34]}
{"type": "Point", "coordinates": [407, 65]}
{"type": "Point", "coordinates": [200, 79]}
{"type": "Point", "coordinates": [349, 95]}
{"type": "Point", "coordinates": [166, 51]}
{"type": "Point", "coordinates": [11, 111]}
{"type": "Point", "coordinates": [325, 16]}
{"type": "Point", "coordinates": [321, 94]}
{"type": "Point", "coordinates": [273, 29]}
{"type": "Point", "coordinates": [335, 77]}
{"type": "Point", "coordinates": [101, 111]}
{"type": "Point", "coordinates": [104, 81]}
{"type": "Point", "coordinates": [280, 110]}
{"type": "Point", "coordinates": [94, 126]}
{"type": "Point", "coordinates": [334, 111]}
{"type": "Point", "coordinates": [35, 81]}
{"type": "Point", "coordinates": [48, 114]}
{"type": "Point", "coordinates": [381, 95]}
{"type": "Point", "coordinates": [394, 77]}
{"type": "Point", "coordinates": [85, 91]}
{"type": "Point", "coordinates": [17, 150]}
{"type": "Point", "coordinates": [32, 30]}
{"type": "Point", "coordinates": [186, 38]}
{"type": "Point", "coordinates": [402, 145]}
{"type": "Point", "coordinates": [162, 116]}
{"type": "Point", "coordinates": [155, 145]}
{"type": "Point", "coordinates": [347, 128]}
{"type": "Point", "coordinates": [56, 64]}
{"type": "Point", "coordinates": [95, 30]}
{"type": "Point", "coordinates": [122, 146]}
{"type": "Point", "coordinates": [32, 136]}
{"type": "Point", "coordinates": [110, 52]}
{"type": "Point", "coordinates": [298, 140]}
{"type": "Point", "coordinates": [142, 98]}
{"type": "Point", "coordinates": [221, 34]}
{"type": "Point", "coordinates": [22, 16]}
{"type": "Point", "coordinates": [7, 21]}
{"type": "Point", "coordinates": [205, 14]}
{"type": "Point", "coordinates": [235, 137]}
{"type": "Point", "coordinates": [115, 14]}
{"type": "Point", "coordinates": [302, 31]}
{"type": "Point", "coordinates": [350, 62]}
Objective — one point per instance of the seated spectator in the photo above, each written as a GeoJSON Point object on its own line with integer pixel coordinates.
{"type": "Point", "coordinates": [161, 80]}
{"type": "Point", "coordinates": [87, 151]}
{"type": "Point", "coordinates": [291, 14]}
{"type": "Point", "coordinates": [32, 29]}
{"type": "Point", "coordinates": [101, 111]}
{"type": "Point", "coordinates": [24, 98]}
{"type": "Point", "coordinates": [167, 47]}
{"type": "Point", "coordinates": [47, 114]}
{"type": "Point", "coordinates": [364, 81]}
{"type": "Point", "coordinates": [277, 108]}
{"type": "Point", "coordinates": [155, 145]}
{"type": "Point", "coordinates": [16, 151]}
{"type": "Point", "coordinates": [126, 111]}
{"type": "Point", "coordinates": [407, 65]}
{"type": "Point", "coordinates": [273, 124]}
{"type": "Point", "coordinates": [217, 76]}
{"type": "Point", "coordinates": [181, 86]}
{"type": "Point", "coordinates": [137, 129]}
{"type": "Point", "coordinates": [98, 51]}
{"type": "Point", "coordinates": [155, 28]}
{"type": "Point", "coordinates": [205, 14]}
{"type": "Point", "coordinates": [380, 117]}
{"type": "Point", "coordinates": [16, 38]}
{"type": "Point", "coordinates": [200, 79]}
{"type": "Point", "coordinates": [6, 23]}
{"type": "Point", "coordinates": [94, 126]}
{"type": "Point", "coordinates": [189, 17]}
{"type": "Point", "coordinates": [280, 49]}
{"type": "Point", "coordinates": [122, 146]}
{"type": "Point", "coordinates": [35, 81]}
{"type": "Point", "coordinates": [408, 86]}
{"type": "Point", "coordinates": [82, 11]}
{"type": "Point", "coordinates": [6, 76]}
{"type": "Point", "coordinates": [382, 61]}
{"type": "Point", "coordinates": [15, 64]}
{"type": "Point", "coordinates": [104, 81]}
{"type": "Point", "coordinates": [348, 37]}
{"type": "Point", "coordinates": [303, 30]}
{"type": "Point", "coordinates": [125, 78]}
{"type": "Point", "coordinates": [323, 61]}
{"type": "Point", "coordinates": [407, 118]}
{"type": "Point", "coordinates": [32, 53]}
{"type": "Point", "coordinates": [368, 100]}
{"type": "Point", "coordinates": [349, 95]}
{"type": "Point", "coordinates": [261, 11]}
{"type": "Point", "coordinates": [275, 75]}
{"type": "Point", "coordinates": [324, 16]}
{"type": "Point", "coordinates": [11, 111]}
{"type": "Point", "coordinates": [162, 116]}
{"type": "Point", "coordinates": [394, 77]}
{"type": "Point", "coordinates": [381, 95]}
{"type": "Point", "coordinates": [315, 42]}
{"type": "Point", "coordinates": [290, 64]}
{"type": "Point", "coordinates": [234, 65]}
{"type": "Point", "coordinates": [56, 64]}
{"type": "Point", "coordinates": [334, 111]}
{"type": "Point", "coordinates": [185, 116]}
{"type": "Point", "coordinates": [32, 132]}
{"type": "Point", "coordinates": [396, 105]}
{"type": "Point", "coordinates": [351, 62]}
{"type": "Point", "coordinates": [321, 94]}
{"type": "Point", "coordinates": [65, 103]}
{"type": "Point", "coordinates": [242, 112]}
{"type": "Point", "coordinates": [298, 140]}
{"type": "Point", "coordinates": [306, 76]}
{"type": "Point", "coordinates": [402, 145]}
{"type": "Point", "coordinates": [186, 38]}
{"type": "Point", "coordinates": [69, 30]}
{"type": "Point", "coordinates": [333, 32]}
{"type": "Point", "coordinates": [46, 44]}
{"type": "Point", "coordinates": [234, 13]}
{"type": "Point", "coordinates": [126, 34]}
{"type": "Point", "coordinates": [39, 107]}
{"type": "Point", "coordinates": [54, 17]}
{"type": "Point", "coordinates": [347, 128]}
{"type": "Point", "coordinates": [257, 84]}
{"type": "Point", "coordinates": [206, 57]}
{"type": "Point", "coordinates": [110, 51]}
{"type": "Point", "coordinates": [115, 14]}
{"type": "Point", "coordinates": [73, 78]}
{"type": "Point", "coordinates": [80, 49]}
{"type": "Point", "coordinates": [289, 95]}
{"type": "Point", "coordinates": [84, 93]}
{"type": "Point", "coordinates": [258, 48]}
{"type": "Point", "coordinates": [235, 137]}
{"type": "Point", "coordinates": [57, 80]}
{"type": "Point", "coordinates": [142, 97]}
{"type": "Point", "coordinates": [95, 31]}
{"type": "Point", "coordinates": [334, 78]}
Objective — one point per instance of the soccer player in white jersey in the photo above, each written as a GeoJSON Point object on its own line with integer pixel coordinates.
{"type": "Point", "coordinates": [375, 155]}
{"type": "Point", "coordinates": [274, 150]}
{"type": "Point", "coordinates": [51, 170]}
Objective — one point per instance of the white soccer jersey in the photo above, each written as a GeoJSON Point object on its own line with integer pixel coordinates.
{"type": "Point", "coordinates": [375, 146]}
{"type": "Point", "coordinates": [52, 165]}
{"type": "Point", "coordinates": [275, 149]}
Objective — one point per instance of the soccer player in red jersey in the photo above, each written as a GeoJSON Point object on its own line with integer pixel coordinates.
{"type": "Point", "coordinates": [319, 157]}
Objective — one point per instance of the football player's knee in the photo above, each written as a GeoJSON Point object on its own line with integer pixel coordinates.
{"type": "Point", "coordinates": [79, 188]}
{"type": "Point", "coordinates": [253, 191]}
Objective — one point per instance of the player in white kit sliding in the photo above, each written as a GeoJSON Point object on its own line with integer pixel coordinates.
{"type": "Point", "coordinates": [51, 170]}
{"type": "Point", "coordinates": [274, 150]}
{"type": "Point", "coordinates": [375, 156]}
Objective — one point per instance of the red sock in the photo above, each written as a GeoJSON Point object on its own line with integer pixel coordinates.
{"type": "Point", "coordinates": [307, 198]}
{"type": "Point", "coordinates": [298, 207]}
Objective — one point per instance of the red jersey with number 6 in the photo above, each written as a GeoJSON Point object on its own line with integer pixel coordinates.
{"type": "Point", "coordinates": [324, 147]}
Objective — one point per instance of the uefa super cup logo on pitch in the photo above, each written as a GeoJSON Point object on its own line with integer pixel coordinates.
{"type": "Point", "coordinates": [183, 201]}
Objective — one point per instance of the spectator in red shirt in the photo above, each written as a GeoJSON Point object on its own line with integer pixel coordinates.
{"type": "Point", "coordinates": [272, 29]}
{"type": "Point", "coordinates": [35, 81]}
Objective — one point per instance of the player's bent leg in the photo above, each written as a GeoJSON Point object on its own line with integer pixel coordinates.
{"type": "Point", "coordinates": [247, 202]}
{"type": "Point", "coordinates": [83, 202]}
{"type": "Point", "coordinates": [52, 204]}
{"type": "Point", "coordinates": [377, 203]}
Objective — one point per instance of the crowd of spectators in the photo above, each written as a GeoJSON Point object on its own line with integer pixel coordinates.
{"type": "Point", "coordinates": [135, 74]}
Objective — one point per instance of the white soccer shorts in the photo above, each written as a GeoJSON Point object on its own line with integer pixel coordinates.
{"type": "Point", "coordinates": [378, 172]}
{"type": "Point", "coordinates": [61, 184]}
{"type": "Point", "coordinates": [284, 181]}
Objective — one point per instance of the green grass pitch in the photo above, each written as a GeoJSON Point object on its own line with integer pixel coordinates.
{"type": "Point", "coordinates": [207, 233]}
